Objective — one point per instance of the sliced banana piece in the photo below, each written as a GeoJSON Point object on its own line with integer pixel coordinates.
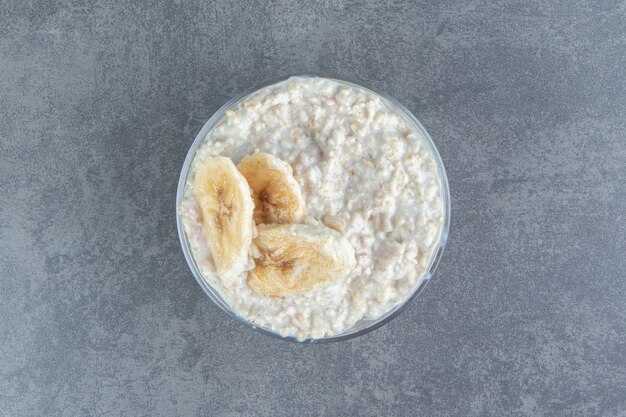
{"type": "Point", "coordinates": [296, 258]}
{"type": "Point", "coordinates": [225, 201]}
{"type": "Point", "coordinates": [276, 193]}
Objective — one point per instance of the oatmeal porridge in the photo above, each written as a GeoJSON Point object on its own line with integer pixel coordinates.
{"type": "Point", "coordinates": [358, 169]}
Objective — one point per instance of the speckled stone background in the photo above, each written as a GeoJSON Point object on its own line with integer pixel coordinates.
{"type": "Point", "coordinates": [99, 314]}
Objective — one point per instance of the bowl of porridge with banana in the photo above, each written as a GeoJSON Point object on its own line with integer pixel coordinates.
{"type": "Point", "coordinates": [312, 208]}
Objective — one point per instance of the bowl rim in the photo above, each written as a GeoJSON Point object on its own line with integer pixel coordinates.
{"type": "Point", "coordinates": [374, 324]}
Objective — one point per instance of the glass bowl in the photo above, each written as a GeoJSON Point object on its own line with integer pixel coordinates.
{"type": "Point", "coordinates": [363, 326]}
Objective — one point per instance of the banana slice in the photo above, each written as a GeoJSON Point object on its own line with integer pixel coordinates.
{"type": "Point", "coordinates": [296, 258]}
{"type": "Point", "coordinates": [226, 205]}
{"type": "Point", "coordinates": [276, 193]}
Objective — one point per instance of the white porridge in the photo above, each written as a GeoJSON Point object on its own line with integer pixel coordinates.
{"type": "Point", "coordinates": [363, 171]}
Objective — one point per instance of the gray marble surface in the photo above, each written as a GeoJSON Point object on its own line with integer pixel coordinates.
{"type": "Point", "coordinates": [99, 314]}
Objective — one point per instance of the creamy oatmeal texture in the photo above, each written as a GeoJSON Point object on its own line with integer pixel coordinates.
{"type": "Point", "coordinates": [363, 170]}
